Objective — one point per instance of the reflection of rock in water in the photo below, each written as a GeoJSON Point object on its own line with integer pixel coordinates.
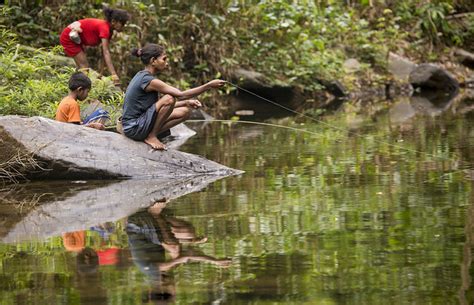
{"type": "Point", "coordinates": [432, 103]}
{"type": "Point", "coordinates": [401, 111]}
{"type": "Point", "coordinates": [249, 132]}
{"type": "Point", "coordinates": [422, 105]}
{"type": "Point", "coordinates": [261, 108]}
{"type": "Point", "coordinates": [466, 104]}
{"type": "Point", "coordinates": [58, 212]}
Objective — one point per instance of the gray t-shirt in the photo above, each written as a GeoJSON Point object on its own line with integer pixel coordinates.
{"type": "Point", "coordinates": [137, 100]}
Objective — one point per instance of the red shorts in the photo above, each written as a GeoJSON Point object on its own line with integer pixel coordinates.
{"type": "Point", "coordinates": [70, 47]}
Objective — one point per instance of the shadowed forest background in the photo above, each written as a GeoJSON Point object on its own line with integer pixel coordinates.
{"type": "Point", "coordinates": [368, 204]}
{"type": "Point", "coordinates": [300, 43]}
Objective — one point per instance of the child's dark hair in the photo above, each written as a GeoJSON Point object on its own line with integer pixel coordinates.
{"type": "Point", "coordinates": [87, 261]}
{"type": "Point", "coordinates": [111, 14]}
{"type": "Point", "coordinates": [149, 51]}
{"type": "Point", "coordinates": [79, 79]}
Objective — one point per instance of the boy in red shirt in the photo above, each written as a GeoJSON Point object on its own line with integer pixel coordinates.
{"type": "Point", "coordinates": [68, 110]}
{"type": "Point", "coordinates": [92, 32]}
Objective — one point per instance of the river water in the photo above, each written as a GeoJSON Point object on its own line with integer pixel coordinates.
{"type": "Point", "coordinates": [373, 205]}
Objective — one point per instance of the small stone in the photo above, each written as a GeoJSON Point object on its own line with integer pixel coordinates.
{"type": "Point", "coordinates": [351, 65]}
{"type": "Point", "coordinates": [244, 112]}
{"type": "Point", "coordinates": [399, 66]}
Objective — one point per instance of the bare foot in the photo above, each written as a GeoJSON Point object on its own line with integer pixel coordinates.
{"type": "Point", "coordinates": [155, 143]}
{"type": "Point", "coordinates": [157, 206]}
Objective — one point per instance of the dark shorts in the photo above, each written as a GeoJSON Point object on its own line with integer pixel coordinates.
{"type": "Point", "coordinates": [138, 129]}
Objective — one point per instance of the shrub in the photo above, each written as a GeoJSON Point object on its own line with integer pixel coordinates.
{"type": "Point", "coordinates": [33, 84]}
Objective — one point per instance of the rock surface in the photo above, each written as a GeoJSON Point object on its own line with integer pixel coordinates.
{"type": "Point", "coordinates": [335, 88]}
{"type": "Point", "coordinates": [429, 76]}
{"type": "Point", "coordinates": [277, 92]}
{"type": "Point", "coordinates": [69, 151]}
{"type": "Point", "coordinates": [351, 65]}
{"type": "Point", "coordinates": [251, 79]}
{"type": "Point", "coordinates": [260, 85]}
{"type": "Point", "coordinates": [400, 67]}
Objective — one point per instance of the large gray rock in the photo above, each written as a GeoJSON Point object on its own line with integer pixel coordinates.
{"type": "Point", "coordinates": [429, 76]}
{"type": "Point", "coordinates": [69, 151]}
{"type": "Point", "coordinates": [251, 79]}
{"type": "Point", "coordinates": [400, 67]}
{"type": "Point", "coordinates": [40, 210]}
{"type": "Point", "coordinates": [255, 83]}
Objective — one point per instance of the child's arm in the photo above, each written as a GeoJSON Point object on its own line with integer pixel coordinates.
{"type": "Point", "coordinates": [108, 61]}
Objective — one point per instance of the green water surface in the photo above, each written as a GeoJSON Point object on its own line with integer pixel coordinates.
{"type": "Point", "coordinates": [374, 209]}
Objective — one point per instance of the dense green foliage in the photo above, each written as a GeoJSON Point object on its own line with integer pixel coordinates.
{"type": "Point", "coordinates": [296, 42]}
{"type": "Point", "coordinates": [32, 85]}
{"type": "Point", "coordinates": [329, 217]}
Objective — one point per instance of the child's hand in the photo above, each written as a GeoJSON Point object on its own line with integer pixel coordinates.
{"type": "Point", "coordinates": [98, 126]}
{"type": "Point", "coordinates": [194, 104]}
{"type": "Point", "coordinates": [116, 80]}
{"type": "Point", "coordinates": [217, 83]}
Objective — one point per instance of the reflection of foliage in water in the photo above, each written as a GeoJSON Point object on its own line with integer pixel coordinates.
{"type": "Point", "coordinates": [335, 218]}
{"type": "Point", "coordinates": [352, 217]}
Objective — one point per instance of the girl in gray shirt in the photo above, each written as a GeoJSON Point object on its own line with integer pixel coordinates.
{"type": "Point", "coordinates": [151, 106]}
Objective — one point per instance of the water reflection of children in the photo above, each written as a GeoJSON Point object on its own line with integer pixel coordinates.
{"type": "Point", "coordinates": [87, 280]}
{"type": "Point", "coordinates": [151, 235]}
{"type": "Point", "coordinates": [104, 254]}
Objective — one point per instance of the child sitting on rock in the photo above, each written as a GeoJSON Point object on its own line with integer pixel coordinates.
{"type": "Point", "coordinates": [68, 110]}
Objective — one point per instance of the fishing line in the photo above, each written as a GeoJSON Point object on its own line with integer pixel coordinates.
{"type": "Point", "coordinates": [339, 128]}
{"type": "Point", "coordinates": [258, 123]}
{"type": "Point", "coordinates": [309, 132]}
{"type": "Point", "coordinates": [286, 108]}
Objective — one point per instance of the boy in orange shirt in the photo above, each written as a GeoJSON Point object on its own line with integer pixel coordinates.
{"type": "Point", "coordinates": [68, 110]}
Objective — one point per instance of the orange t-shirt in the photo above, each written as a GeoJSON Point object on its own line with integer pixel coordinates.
{"type": "Point", "coordinates": [68, 111]}
{"type": "Point", "coordinates": [74, 241]}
